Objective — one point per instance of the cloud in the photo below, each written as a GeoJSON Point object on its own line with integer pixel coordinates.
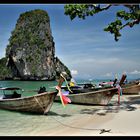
{"type": "Point", "coordinates": [135, 72]}
{"type": "Point", "coordinates": [74, 72]}
{"type": "Point", "coordinates": [85, 59]}
{"type": "Point", "coordinates": [108, 74]}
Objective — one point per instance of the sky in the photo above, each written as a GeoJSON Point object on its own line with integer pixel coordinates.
{"type": "Point", "coordinates": [82, 45]}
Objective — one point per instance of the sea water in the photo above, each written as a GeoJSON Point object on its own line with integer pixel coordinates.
{"type": "Point", "coordinates": [26, 124]}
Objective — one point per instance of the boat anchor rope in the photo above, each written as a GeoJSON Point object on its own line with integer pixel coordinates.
{"type": "Point", "coordinates": [95, 129]}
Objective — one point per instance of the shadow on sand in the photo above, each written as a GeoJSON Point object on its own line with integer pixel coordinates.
{"type": "Point", "coordinates": [50, 113]}
{"type": "Point", "coordinates": [130, 105]}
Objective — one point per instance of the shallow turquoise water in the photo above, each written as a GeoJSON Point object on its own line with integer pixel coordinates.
{"type": "Point", "coordinates": [28, 86]}
{"type": "Point", "coordinates": [25, 124]}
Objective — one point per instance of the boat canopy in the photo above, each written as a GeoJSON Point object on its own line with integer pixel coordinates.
{"type": "Point", "coordinates": [10, 88]}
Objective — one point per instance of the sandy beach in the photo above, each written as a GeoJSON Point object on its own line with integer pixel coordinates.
{"type": "Point", "coordinates": [77, 120]}
{"type": "Point", "coordinates": [112, 120]}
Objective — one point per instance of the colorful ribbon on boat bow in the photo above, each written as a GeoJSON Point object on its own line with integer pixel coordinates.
{"type": "Point", "coordinates": [119, 92]}
{"type": "Point", "coordinates": [65, 100]}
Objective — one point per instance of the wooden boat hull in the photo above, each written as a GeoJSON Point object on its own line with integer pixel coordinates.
{"type": "Point", "coordinates": [100, 97]}
{"type": "Point", "coordinates": [131, 89]}
{"type": "Point", "coordinates": [40, 103]}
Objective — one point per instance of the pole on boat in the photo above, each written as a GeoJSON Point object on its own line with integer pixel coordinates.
{"type": "Point", "coordinates": [61, 79]}
{"type": "Point", "coordinates": [122, 79]}
{"type": "Point", "coordinates": [114, 82]}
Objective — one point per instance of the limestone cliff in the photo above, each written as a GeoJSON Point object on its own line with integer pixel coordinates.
{"type": "Point", "coordinates": [31, 49]}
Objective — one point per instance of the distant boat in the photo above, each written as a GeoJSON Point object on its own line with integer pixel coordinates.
{"type": "Point", "coordinates": [80, 88]}
{"type": "Point", "coordinates": [39, 103]}
{"type": "Point", "coordinates": [87, 93]}
{"type": "Point", "coordinates": [131, 88]}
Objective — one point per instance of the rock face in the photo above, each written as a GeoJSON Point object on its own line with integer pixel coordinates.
{"type": "Point", "coordinates": [31, 49]}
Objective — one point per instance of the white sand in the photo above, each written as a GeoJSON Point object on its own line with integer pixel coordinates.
{"type": "Point", "coordinates": [123, 120]}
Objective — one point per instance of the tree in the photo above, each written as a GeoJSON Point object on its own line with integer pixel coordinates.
{"type": "Point", "coordinates": [129, 16]}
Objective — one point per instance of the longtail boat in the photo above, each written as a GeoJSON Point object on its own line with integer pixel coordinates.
{"type": "Point", "coordinates": [38, 103]}
{"type": "Point", "coordinates": [88, 94]}
{"type": "Point", "coordinates": [131, 88]}
{"type": "Point", "coordinates": [99, 97]}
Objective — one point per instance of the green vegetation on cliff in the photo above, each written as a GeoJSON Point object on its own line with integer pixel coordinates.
{"type": "Point", "coordinates": [27, 30]}
{"type": "Point", "coordinates": [31, 49]}
{"type": "Point", "coordinates": [5, 72]}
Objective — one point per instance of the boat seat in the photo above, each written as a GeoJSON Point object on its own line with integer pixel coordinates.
{"type": "Point", "coordinates": [14, 95]}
